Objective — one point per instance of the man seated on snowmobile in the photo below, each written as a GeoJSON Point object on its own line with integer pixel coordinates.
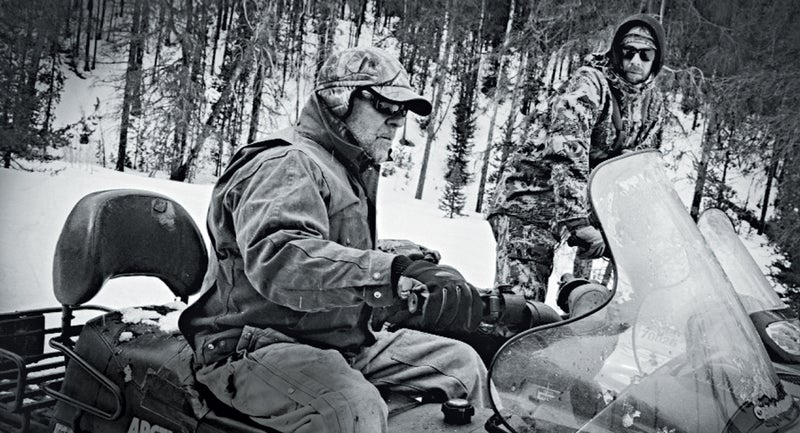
{"type": "Point", "coordinates": [607, 107]}
{"type": "Point", "coordinates": [282, 332]}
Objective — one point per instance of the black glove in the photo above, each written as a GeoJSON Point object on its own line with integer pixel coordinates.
{"type": "Point", "coordinates": [589, 242]}
{"type": "Point", "coordinates": [449, 303]}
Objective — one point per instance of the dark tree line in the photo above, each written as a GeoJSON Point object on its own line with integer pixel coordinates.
{"type": "Point", "coordinates": [31, 78]}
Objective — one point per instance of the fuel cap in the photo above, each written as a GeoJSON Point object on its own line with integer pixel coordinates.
{"type": "Point", "coordinates": [457, 411]}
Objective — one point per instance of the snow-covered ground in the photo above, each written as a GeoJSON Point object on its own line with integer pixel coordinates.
{"type": "Point", "coordinates": [35, 206]}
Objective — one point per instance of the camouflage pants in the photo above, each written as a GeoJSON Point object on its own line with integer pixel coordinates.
{"type": "Point", "coordinates": [524, 255]}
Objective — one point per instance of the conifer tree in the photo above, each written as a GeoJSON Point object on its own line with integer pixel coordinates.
{"type": "Point", "coordinates": [459, 149]}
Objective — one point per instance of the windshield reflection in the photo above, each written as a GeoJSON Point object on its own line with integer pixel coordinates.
{"type": "Point", "coordinates": [672, 351]}
{"type": "Point", "coordinates": [746, 277]}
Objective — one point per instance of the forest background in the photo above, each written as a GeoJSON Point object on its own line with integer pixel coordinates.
{"type": "Point", "coordinates": [194, 79]}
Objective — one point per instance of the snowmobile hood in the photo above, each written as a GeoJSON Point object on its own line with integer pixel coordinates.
{"type": "Point", "coordinates": [672, 349]}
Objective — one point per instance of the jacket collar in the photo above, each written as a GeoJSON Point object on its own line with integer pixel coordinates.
{"type": "Point", "coordinates": [319, 125]}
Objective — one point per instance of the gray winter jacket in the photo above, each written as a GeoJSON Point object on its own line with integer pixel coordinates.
{"type": "Point", "coordinates": [292, 226]}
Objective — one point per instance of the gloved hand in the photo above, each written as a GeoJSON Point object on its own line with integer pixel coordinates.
{"type": "Point", "coordinates": [449, 303]}
{"type": "Point", "coordinates": [589, 242]}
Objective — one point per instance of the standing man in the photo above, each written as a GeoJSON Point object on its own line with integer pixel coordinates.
{"type": "Point", "coordinates": [608, 107]}
{"type": "Point", "coordinates": [282, 332]}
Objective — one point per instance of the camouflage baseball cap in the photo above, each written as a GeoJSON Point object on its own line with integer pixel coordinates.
{"type": "Point", "coordinates": [371, 67]}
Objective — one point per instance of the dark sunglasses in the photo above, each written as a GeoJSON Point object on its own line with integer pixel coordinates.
{"type": "Point", "coordinates": [646, 54]}
{"type": "Point", "coordinates": [382, 105]}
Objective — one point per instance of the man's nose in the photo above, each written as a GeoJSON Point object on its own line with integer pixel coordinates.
{"type": "Point", "coordinates": [395, 121]}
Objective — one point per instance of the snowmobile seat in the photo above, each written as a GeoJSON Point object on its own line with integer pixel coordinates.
{"type": "Point", "coordinates": [134, 365]}
{"type": "Point", "coordinates": [152, 365]}
{"type": "Point", "coordinates": [127, 232]}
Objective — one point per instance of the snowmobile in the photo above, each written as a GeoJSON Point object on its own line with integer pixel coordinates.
{"type": "Point", "coordinates": [131, 370]}
{"type": "Point", "coordinates": [669, 349]}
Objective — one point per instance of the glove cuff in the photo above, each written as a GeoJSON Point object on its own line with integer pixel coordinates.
{"type": "Point", "coordinates": [399, 265]}
{"type": "Point", "coordinates": [576, 223]}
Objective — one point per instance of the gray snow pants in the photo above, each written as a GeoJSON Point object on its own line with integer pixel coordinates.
{"type": "Point", "coordinates": [293, 387]}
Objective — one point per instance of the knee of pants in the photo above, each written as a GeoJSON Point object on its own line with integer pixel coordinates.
{"type": "Point", "coordinates": [365, 401]}
{"type": "Point", "coordinates": [467, 366]}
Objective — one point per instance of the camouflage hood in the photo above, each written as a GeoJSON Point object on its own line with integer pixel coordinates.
{"type": "Point", "coordinates": [358, 68]}
{"type": "Point", "coordinates": [656, 30]}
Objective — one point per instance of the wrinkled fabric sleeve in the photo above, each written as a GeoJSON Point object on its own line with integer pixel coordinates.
{"type": "Point", "coordinates": [655, 114]}
{"type": "Point", "coordinates": [282, 230]}
{"type": "Point", "coordinates": [574, 114]}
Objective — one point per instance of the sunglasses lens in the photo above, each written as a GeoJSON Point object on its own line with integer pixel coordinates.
{"type": "Point", "coordinates": [387, 108]}
{"type": "Point", "coordinates": [646, 54]}
{"type": "Point", "coordinates": [384, 107]}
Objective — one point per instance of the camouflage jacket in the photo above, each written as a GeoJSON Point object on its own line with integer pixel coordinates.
{"type": "Point", "coordinates": [580, 132]}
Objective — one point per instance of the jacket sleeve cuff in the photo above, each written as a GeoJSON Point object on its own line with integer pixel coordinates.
{"type": "Point", "coordinates": [399, 265]}
{"type": "Point", "coordinates": [382, 292]}
{"type": "Point", "coordinates": [575, 223]}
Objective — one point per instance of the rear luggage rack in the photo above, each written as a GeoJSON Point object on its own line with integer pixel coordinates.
{"type": "Point", "coordinates": [26, 368]}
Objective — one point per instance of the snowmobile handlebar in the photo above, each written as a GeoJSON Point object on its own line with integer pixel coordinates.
{"type": "Point", "coordinates": [502, 307]}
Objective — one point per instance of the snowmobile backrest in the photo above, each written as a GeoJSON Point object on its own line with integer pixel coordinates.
{"type": "Point", "coordinates": [123, 232]}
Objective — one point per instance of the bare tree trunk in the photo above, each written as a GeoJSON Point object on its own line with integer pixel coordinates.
{"type": "Point", "coordinates": [51, 87]}
{"type": "Point", "coordinates": [68, 21]}
{"type": "Point", "coordinates": [76, 47]}
{"type": "Point", "coordinates": [723, 179]}
{"type": "Point", "coordinates": [89, 36]}
{"type": "Point", "coordinates": [498, 91]}
{"type": "Point", "coordinates": [136, 101]}
{"type": "Point", "coordinates": [360, 21]}
{"type": "Point", "coordinates": [132, 76]}
{"type": "Point", "coordinates": [98, 33]}
{"type": "Point", "coordinates": [403, 37]}
{"type": "Point", "coordinates": [441, 76]}
{"type": "Point", "coordinates": [159, 35]}
{"type": "Point", "coordinates": [773, 166]}
{"type": "Point", "coordinates": [216, 34]}
{"type": "Point", "coordinates": [110, 22]}
{"type": "Point", "coordinates": [702, 169]}
{"type": "Point", "coordinates": [254, 112]}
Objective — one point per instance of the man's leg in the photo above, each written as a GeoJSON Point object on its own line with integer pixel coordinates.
{"type": "Point", "coordinates": [416, 363]}
{"type": "Point", "coordinates": [524, 255]}
{"type": "Point", "coordinates": [292, 387]}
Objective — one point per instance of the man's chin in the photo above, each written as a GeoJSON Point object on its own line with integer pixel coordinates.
{"type": "Point", "coordinates": [635, 78]}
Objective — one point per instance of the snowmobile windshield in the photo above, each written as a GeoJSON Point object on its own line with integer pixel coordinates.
{"type": "Point", "coordinates": [754, 290]}
{"type": "Point", "coordinates": [673, 350]}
